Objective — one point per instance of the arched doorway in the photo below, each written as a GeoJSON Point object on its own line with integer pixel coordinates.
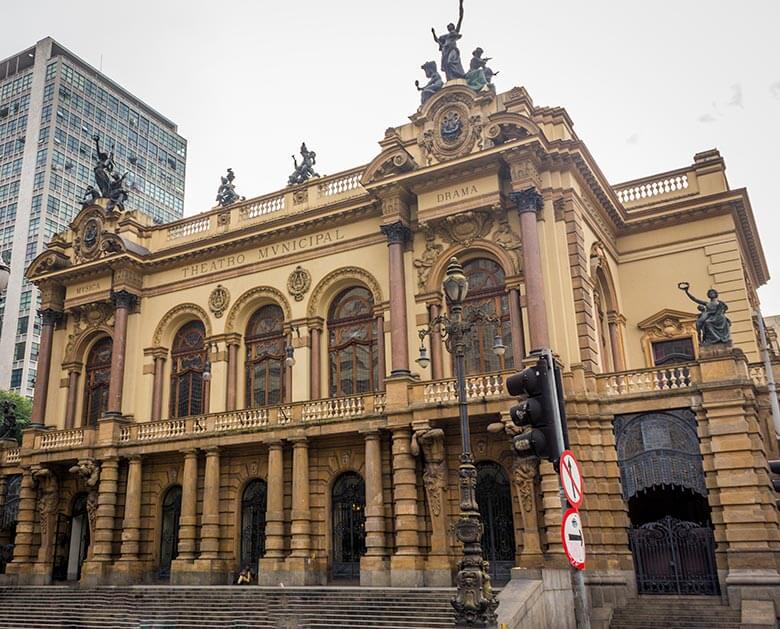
{"type": "Point", "coordinates": [72, 541]}
{"type": "Point", "coordinates": [348, 510]}
{"type": "Point", "coordinates": [662, 479]}
{"type": "Point", "coordinates": [169, 532]}
{"type": "Point", "coordinates": [253, 505]}
{"type": "Point", "coordinates": [494, 498]}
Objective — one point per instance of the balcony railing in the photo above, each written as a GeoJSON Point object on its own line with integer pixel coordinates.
{"type": "Point", "coordinates": [649, 380]}
{"type": "Point", "coordinates": [54, 439]}
{"type": "Point", "coordinates": [253, 419]}
{"type": "Point", "coordinates": [477, 388]}
{"type": "Point", "coordinates": [12, 456]}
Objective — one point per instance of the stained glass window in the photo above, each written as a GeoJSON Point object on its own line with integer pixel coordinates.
{"type": "Point", "coordinates": [265, 355]}
{"type": "Point", "coordinates": [98, 375]}
{"type": "Point", "coordinates": [352, 355]}
{"type": "Point", "coordinates": [188, 358]}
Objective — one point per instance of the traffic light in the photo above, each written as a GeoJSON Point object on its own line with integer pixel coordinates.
{"type": "Point", "coordinates": [537, 413]}
{"type": "Point", "coordinates": [774, 467]}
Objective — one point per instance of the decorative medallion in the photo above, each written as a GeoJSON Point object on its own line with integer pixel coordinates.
{"type": "Point", "coordinates": [88, 239]}
{"type": "Point", "coordinates": [451, 126]}
{"type": "Point", "coordinates": [219, 300]}
{"type": "Point", "coordinates": [466, 227]}
{"type": "Point", "coordinates": [454, 130]}
{"type": "Point", "coordinates": [299, 282]}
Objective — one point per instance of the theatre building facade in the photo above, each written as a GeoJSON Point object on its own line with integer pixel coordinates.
{"type": "Point", "coordinates": [239, 388]}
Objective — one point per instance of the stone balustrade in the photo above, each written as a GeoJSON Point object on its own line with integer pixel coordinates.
{"type": "Point", "coordinates": [54, 439]}
{"type": "Point", "coordinates": [477, 388]}
{"type": "Point", "coordinates": [653, 190]}
{"type": "Point", "coordinates": [12, 456]}
{"type": "Point", "coordinates": [184, 229]}
{"type": "Point", "coordinates": [648, 380]}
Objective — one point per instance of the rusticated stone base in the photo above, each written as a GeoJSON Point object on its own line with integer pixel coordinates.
{"type": "Point", "coordinates": [304, 571]}
{"type": "Point", "coordinates": [407, 571]}
{"type": "Point", "coordinates": [438, 571]}
{"type": "Point", "coordinates": [374, 572]}
{"type": "Point", "coordinates": [198, 572]}
{"type": "Point", "coordinates": [128, 573]}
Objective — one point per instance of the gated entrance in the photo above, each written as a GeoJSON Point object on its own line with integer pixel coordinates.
{"type": "Point", "coordinates": [169, 535]}
{"type": "Point", "coordinates": [661, 473]}
{"type": "Point", "coordinates": [72, 541]}
{"type": "Point", "coordinates": [348, 509]}
{"type": "Point", "coordinates": [674, 557]}
{"type": "Point", "coordinates": [494, 499]}
{"type": "Point", "coordinates": [253, 505]}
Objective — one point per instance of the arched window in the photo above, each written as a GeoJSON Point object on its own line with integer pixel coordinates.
{"type": "Point", "coordinates": [487, 291]}
{"type": "Point", "coordinates": [352, 352]}
{"type": "Point", "coordinates": [265, 355]}
{"type": "Point", "coordinates": [605, 351]}
{"type": "Point", "coordinates": [98, 375]}
{"type": "Point", "coordinates": [188, 358]}
{"type": "Point", "coordinates": [253, 505]}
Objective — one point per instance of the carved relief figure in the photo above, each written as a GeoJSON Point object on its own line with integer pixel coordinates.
{"type": "Point", "coordinates": [429, 257]}
{"type": "Point", "coordinates": [448, 44]}
{"type": "Point", "coordinates": [430, 442]}
{"type": "Point", "coordinates": [89, 471]}
{"type": "Point", "coordinates": [712, 325]}
{"type": "Point", "coordinates": [48, 500]}
{"type": "Point", "coordinates": [508, 239]}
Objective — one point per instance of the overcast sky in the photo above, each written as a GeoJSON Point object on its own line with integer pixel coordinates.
{"type": "Point", "coordinates": [647, 84]}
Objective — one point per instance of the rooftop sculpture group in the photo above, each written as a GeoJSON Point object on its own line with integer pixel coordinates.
{"type": "Point", "coordinates": [110, 184]}
{"type": "Point", "coordinates": [304, 170]}
{"type": "Point", "coordinates": [227, 195]}
{"type": "Point", "coordinates": [479, 74]}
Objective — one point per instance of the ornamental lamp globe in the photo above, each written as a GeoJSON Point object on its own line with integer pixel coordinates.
{"type": "Point", "coordinates": [423, 359]}
{"type": "Point", "coordinates": [498, 346]}
{"type": "Point", "coordinates": [290, 356]}
{"type": "Point", "coordinates": [455, 284]}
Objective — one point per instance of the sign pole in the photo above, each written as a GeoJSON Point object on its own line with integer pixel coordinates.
{"type": "Point", "coordinates": [577, 576]}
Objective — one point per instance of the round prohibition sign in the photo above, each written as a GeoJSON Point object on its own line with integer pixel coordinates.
{"type": "Point", "coordinates": [573, 538]}
{"type": "Point", "coordinates": [571, 478]}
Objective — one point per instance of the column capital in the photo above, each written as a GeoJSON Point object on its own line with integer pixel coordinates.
{"type": "Point", "coordinates": [123, 299]}
{"type": "Point", "coordinates": [276, 444]}
{"type": "Point", "coordinates": [212, 451]}
{"type": "Point", "coordinates": [370, 434]}
{"type": "Point", "coordinates": [528, 200]}
{"type": "Point", "coordinates": [156, 352]}
{"type": "Point", "coordinates": [315, 323]}
{"type": "Point", "coordinates": [299, 442]}
{"type": "Point", "coordinates": [396, 232]}
{"type": "Point", "coordinates": [50, 316]}
{"type": "Point", "coordinates": [189, 453]}
{"type": "Point", "coordinates": [74, 366]}
{"type": "Point", "coordinates": [134, 458]}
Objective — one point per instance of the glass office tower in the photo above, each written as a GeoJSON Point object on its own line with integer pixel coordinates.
{"type": "Point", "coordinates": [51, 105]}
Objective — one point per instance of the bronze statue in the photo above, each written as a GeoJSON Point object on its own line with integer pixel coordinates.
{"type": "Point", "coordinates": [712, 325]}
{"type": "Point", "coordinates": [226, 195]}
{"type": "Point", "coordinates": [117, 193]}
{"type": "Point", "coordinates": [448, 44]}
{"type": "Point", "coordinates": [434, 83]}
{"type": "Point", "coordinates": [103, 168]}
{"type": "Point", "coordinates": [304, 170]}
{"type": "Point", "coordinates": [8, 427]}
{"type": "Point", "coordinates": [479, 74]}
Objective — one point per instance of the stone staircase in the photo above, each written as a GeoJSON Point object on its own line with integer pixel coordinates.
{"type": "Point", "coordinates": [675, 612]}
{"type": "Point", "coordinates": [160, 607]}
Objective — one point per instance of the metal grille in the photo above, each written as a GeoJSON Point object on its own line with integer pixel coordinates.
{"type": "Point", "coordinates": [253, 506]}
{"type": "Point", "coordinates": [495, 506]}
{"type": "Point", "coordinates": [349, 525]}
{"type": "Point", "coordinates": [673, 556]}
{"type": "Point", "coordinates": [169, 538]}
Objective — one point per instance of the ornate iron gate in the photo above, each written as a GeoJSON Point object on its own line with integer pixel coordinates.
{"type": "Point", "coordinates": [673, 556]}
{"type": "Point", "coordinates": [169, 537]}
{"type": "Point", "coordinates": [495, 506]}
{"type": "Point", "coordinates": [253, 506]}
{"type": "Point", "coordinates": [349, 525]}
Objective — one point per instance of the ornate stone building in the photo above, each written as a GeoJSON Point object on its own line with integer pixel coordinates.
{"type": "Point", "coordinates": [239, 387]}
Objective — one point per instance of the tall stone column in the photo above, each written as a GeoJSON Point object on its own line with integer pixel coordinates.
{"type": "Point", "coordinates": [374, 567]}
{"type": "Point", "coordinates": [160, 354]}
{"type": "Point", "coordinates": [271, 566]}
{"type": "Point", "coordinates": [529, 204]}
{"type": "Point", "coordinates": [74, 370]}
{"type": "Point", "coordinates": [49, 319]}
{"type": "Point", "coordinates": [188, 520]}
{"type": "Point", "coordinates": [516, 321]}
{"type": "Point", "coordinates": [406, 565]}
{"type": "Point", "coordinates": [96, 569]}
{"type": "Point", "coordinates": [209, 526]}
{"type": "Point", "coordinates": [614, 323]}
{"type": "Point", "coordinates": [437, 359]}
{"type": "Point", "coordinates": [232, 375]}
{"type": "Point", "coordinates": [315, 330]}
{"type": "Point", "coordinates": [128, 569]}
{"type": "Point", "coordinates": [123, 302]}
{"type": "Point", "coordinates": [429, 443]}
{"type": "Point", "coordinates": [301, 566]}
{"type": "Point", "coordinates": [24, 551]}
{"type": "Point", "coordinates": [380, 350]}
{"type": "Point", "coordinates": [397, 234]}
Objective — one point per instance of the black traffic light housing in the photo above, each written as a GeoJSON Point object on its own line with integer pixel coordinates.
{"type": "Point", "coordinates": [537, 413]}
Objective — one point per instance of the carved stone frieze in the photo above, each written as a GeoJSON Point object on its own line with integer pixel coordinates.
{"type": "Point", "coordinates": [466, 227]}
{"type": "Point", "coordinates": [47, 262]}
{"type": "Point", "coordinates": [505, 237]}
{"type": "Point", "coordinates": [524, 172]}
{"type": "Point", "coordinates": [524, 473]}
{"type": "Point", "coordinates": [429, 256]}
{"type": "Point", "coordinates": [86, 319]}
{"type": "Point", "coordinates": [48, 500]}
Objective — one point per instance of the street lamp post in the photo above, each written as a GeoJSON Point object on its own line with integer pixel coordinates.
{"type": "Point", "coordinates": [475, 604]}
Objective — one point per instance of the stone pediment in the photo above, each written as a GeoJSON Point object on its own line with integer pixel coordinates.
{"type": "Point", "coordinates": [667, 323]}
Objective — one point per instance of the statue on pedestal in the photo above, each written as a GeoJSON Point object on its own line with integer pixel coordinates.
{"type": "Point", "coordinates": [712, 325]}
{"type": "Point", "coordinates": [479, 74]}
{"type": "Point", "coordinates": [110, 185]}
{"type": "Point", "coordinates": [304, 170]}
{"type": "Point", "coordinates": [448, 44]}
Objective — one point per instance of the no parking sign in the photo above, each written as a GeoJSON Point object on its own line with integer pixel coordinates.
{"type": "Point", "coordinates": [573, 538]}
